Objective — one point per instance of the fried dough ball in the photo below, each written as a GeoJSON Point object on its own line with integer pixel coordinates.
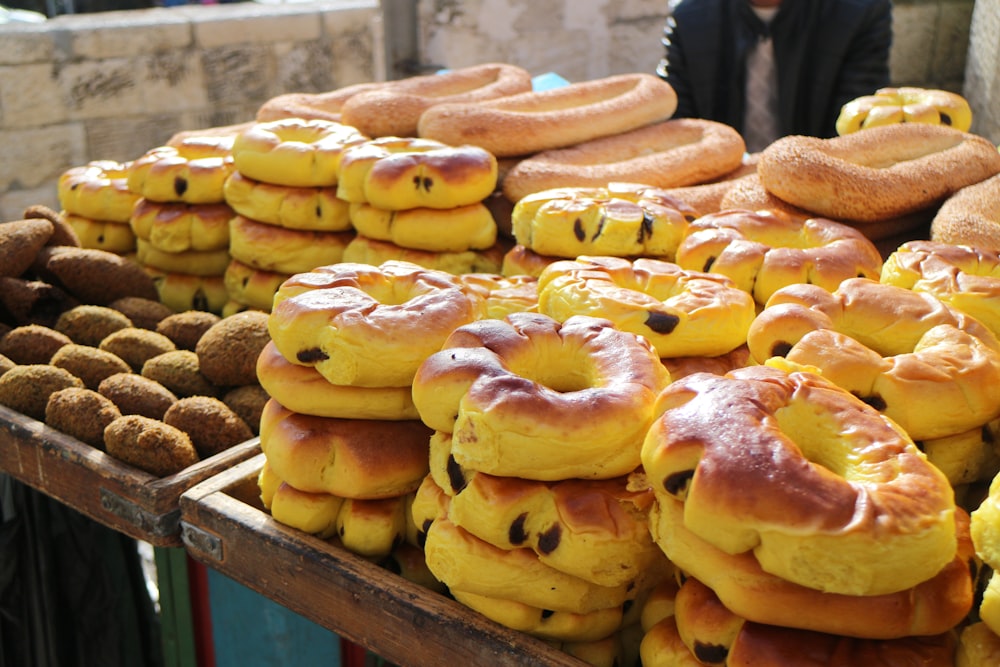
{"type": "Point", "coordinates": [82, 414]}
{"type": "Point", "coordinates": [178, 371]}
{"type": "Point", "coordinates": [90, 364]}
{"type": "Point", "coordinates": [32, 344]}
{"type": "Point", "coordinates": [248, 402]}
{"type": "Point", "coordinates": [144, 313]}
{"type": "Point", "coordinates": [187, 328]}
{"type": "Point", "coordinates": [228, 352]}
{"type": "Point", "coordinates": [94, 276]}
{"type": "Point", "coordinates": [88, 324]}
{"type": "Point", "coordinates": [32, 302]}
{"type": "Point", "coordinates": [137, 346]}
{"type": "Point", "coordinates": [150, 445]}
{"type": "Point", "coordinates": [26, 389]}
{"type": "Point", "coordinates": [137, 395]}
{"type": "Point", "coordinates": [20, 243]}
{"type": "Point", "coordinates": [209, 422]}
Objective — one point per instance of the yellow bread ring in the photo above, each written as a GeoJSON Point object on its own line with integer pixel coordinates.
{"type": "Point", "coordinates": [116, 237]}
{"type": "Point", "coordinates": [970, 216]}
{"type": "Point", "coordinates": [927, 366]}
{"type": "Point", "coordinates": [313, 106]}
{"type": "Point", "coordinates": [989, 607]}
{"type": "Point", "coordinates": [363, 250]}
{"type": "Point", "coordinates": [523, 261]}
{"type": "Point", "coordinates": [912, 166]}
{"type": "Point", "coordinates": [986, 527]}
{"type": "Point", "coordinates": [347, 320]}
{"type": "Point", "coordinates": [763, 251]}
{"type": "Point", "coordinates": [351, 458]}
{"type": "Point", "coordinates": [97, 190]}
{"type": "Point", "coordinates": [620, 220]}
{"type": "Point", "coordinates": [303, 390]}
{"type": "Point", "coordinates": [191, 262]}
{"type": "Point", "coordinates": [978, 646]}
{"type": "Point", "coordinates": [293, 151]}
{"type": "Point", "coordinates": [252, 287]}
{"type": "Point", "coordinates": [847, 505]}
{"type": "Point", "coordinates": [705, 625]}
{"type": "Point", "coordinates": [395, 173]}
{"type": "Point", "coordinates": [531, 397]}
{"type": "Point", "coordinates": [536, 121]}
{"type": "Point", "coordinates": [313, 513]}
{"type": "Point", "coordinates": [719, 365]}
{"type": "Point", "coordinates": [662, 646]}
{"type": "Point", "coordinates": [931, 607]}
{"type": "Point", "coordinates": [316, 209]}
{"type": "Point", "coordinates": [967, 457]}
{"type": "Point", "coordinates": [668, 154]}
{"type": "Point", "coordinates": [964, 277]}
{"type": "Point", "coordinates": [906, 104]}
{"type": "Point", "coordinates": [465, 563]}
{"type": "Point", "coordinates": [179, 227]}
{"type": "Point", "coordinates": [394, 109]}
{"type": "Point", "coordinates": [469, 227]}
{"type": "Point", "coordinates": [543, 623]}
{"type": "Point", "coordinates": [182, 291]}
{"type": "Point", "coordinates": [681, 313]}
{"type": "Point", "coordinates": [192, 171]}
{"type": "Point", "coordinates": [282, 249]}
{"type": "Point", "coordinates": [504, 295]}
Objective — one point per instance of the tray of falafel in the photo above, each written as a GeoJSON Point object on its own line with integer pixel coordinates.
{"type": "Point", "coordinates": [112, 402]}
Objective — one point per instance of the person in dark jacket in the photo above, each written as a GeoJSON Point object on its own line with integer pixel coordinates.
{"type": "Point", "coordinates": [826, 52]}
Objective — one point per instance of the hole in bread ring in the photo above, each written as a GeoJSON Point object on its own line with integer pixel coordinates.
{"type": "Point", "coordinates": [97, 190]}
{"type": "Point", "coordinates": [821, 489]}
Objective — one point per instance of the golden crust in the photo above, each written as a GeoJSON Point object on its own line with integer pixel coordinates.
{"type": "Point", "coordinates": [536, 121]}
{"type": "Point", "coordinates": [906, 104]}
{"type": "Point", "coordinates": [179, 227]}
{"type": "Point", "coordinates": [883, 172]}
{"type": "Point", "coordinates": [191, 171]}
{"type": "Point", "coordinates": [668, 154]}
{"type": "Point", "coordinates": [364, 250]}
{"type": "Point", "coordinates": [282, 249]}
{"type": "Point", "coordinates": [313, 106]}
{"type": "Point", "coordinates": [97, 190]}
{"type": "Point", "coordinates": [970, 216]}
{"type": "Point", "coordinates": [317, 209]}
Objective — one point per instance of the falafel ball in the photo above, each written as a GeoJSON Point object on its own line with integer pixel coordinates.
{"type": "Point", "coordinates": [26, 389]}
{"type": "Point", "coordinates": [178, 371]}
{"type": "Point", "coordinates": [137, 395]}
{"type": "Point", "coordinates": [150, 445]}
{"type": "Point", "coordinates": [187, 328]}
{"type": "Point", "coordinates": [248, 402]}
{"type": "Point", "coordinates": [227, 353]}
{"type": "Point", "coordinates": [90, 364]}
{"type": "Point", "coordinates": [82, 414]}
{"type": "Point", "coordinates": [88, 324]}
{"type": "Point", "coordinates": [32, 344]}
{"type": "Point", "coordinates": [209, 422]}
{"type": "Point", "coordinates": [144, 313]}
{"type": "Point", "coordinates": [137, 346]}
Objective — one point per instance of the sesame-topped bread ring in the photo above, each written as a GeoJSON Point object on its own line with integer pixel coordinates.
{"type": "Point", "coordinates": [620, 220]}
{"type": "Point", "coordinates": [97, 190]}
{"type": "Point", "coordinates": [531, 397]}
{"type": "Point", "coordinates": [672, 153]}
{"type": "Point", "coordinates": [296, 152]}
{"type": "Point", "coordinates": [763, 251]}
{"type": "Point", "coordinates": [395, 173]}
{"type": "Point", "coordinates": [929, 367]}
{"type": "Point", "coordinates": [970, 216]}
{"type": "Point", "coordinates": [192, 171]}
{"type": "Point", "coordinates": [681, 313]}
{"type": "Point", "coordinates": [370, 326]}
{"type": "Point", "coordinates": [794, 472]}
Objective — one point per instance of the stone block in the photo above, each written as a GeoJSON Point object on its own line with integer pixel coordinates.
{"type": "Point", "coordinates": [171, 81]}
{"type": "Point", "coordinates": [248, 23]}
{"type": "Point", "coordinates": [25, 44]}
{"type": "Point", "coordinates": [13, 203]}
{"type": "Point", "coordinates": [131, 33]}
{"type": "Point", "coordinates": [34, 156]}
{"type": "Point", "coordinates": [126, 138]}
{"type": "Point", "coordinates": [237, 74]}
{"type": "Point", "coordinates": [31, 96]}
{"type": "Point", "coordinates": [100, 88]}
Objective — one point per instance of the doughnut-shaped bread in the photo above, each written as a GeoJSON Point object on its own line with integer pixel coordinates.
{"type": "Point", "coordinates": [883, 172]}
{"type": "Point", "coordinates": [192, 171]}
{"type": "Point", "coordinates": [304, 390]}
{"type": "Point", "coordinates": [530, 397]}
{"type": "Point", "coordinates": [620, 220]}
{"type": "Point", "coordinates": [671, 153]}
{"type": "Point", "coordinates": [522, 261]}
{"type": "Point", "coordinates": [536, 121]}
{"type": "Point", "coordinates": [720, 365]}
{"type": "Point", "coordinates": [985, 529]}
{"type": "Point", "coordinates": [970, 216]}
{"type": "Point", "coordinates": [978, 645]}
{"type": "Point", "coordinates": [681, 313]}
{"type": "Point", "coordinates": [183, 292]}
{"type": "Point", "coordinates": [191, 262]}
{"type": "Point", "coordinates": [348, 320]}
{"type": "Point", "coordinates": [116, 237]}
{"type": "Point", "coordinates": [763, 251]}
{"type": "Point", "coordinates": [97, 190]}
{"type": "Point", "coordinates": [929, 367]}
{"type": "Point", "coordinates": [284, 249]}
{"type": "Point", "coordinates": [313, 106]}
{"type": "Point", "coordinates": [458, 229]}
{"type": "Point", "coordinates": [317, 209]}
{"type": "Point", "coordinates": [350, 458]}
{"type": "Point", "coordinates": [180, 227]}
{"type": "Point", "coordinates": [395, 173]}
{"type": "Point", "coordinates": [363, 250]}
{"type": "Point", "coordinates": [252, 287]}
{"type": "Point", "coordinates": [906, 104]}
{"type": "Point", "coordinates": [504, 294]}
{"type": "Point", "coordinates": [395, 109]}
{"type": "Point", "coordinates": [293, 151]}
{"type": "Point", "coordinates": [846, 503]}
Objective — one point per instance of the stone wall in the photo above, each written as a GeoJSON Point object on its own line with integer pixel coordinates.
{"type": "Point", "coordinates": [112, 85]}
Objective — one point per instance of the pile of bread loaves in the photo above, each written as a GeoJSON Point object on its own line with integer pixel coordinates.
{"type": "Point", "coordinates": [606, 379]}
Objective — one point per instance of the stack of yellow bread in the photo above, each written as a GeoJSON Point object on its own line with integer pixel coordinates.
{"type": "Point", "coordinates": [96, 202]}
